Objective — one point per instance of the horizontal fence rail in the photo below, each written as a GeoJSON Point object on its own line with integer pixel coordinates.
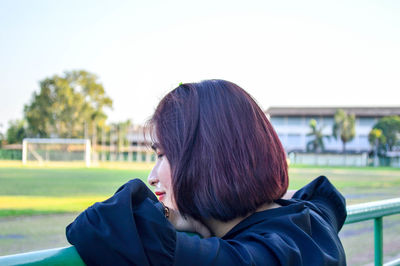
{"type": "Point", "coordinates": [371, 210]}
{"type": "Point", "coordinates": [355, 213]}
{"type": "Point", "coordinates": [67, 256]}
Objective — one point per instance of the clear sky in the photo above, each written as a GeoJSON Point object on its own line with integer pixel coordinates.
{"type": "Point", "coordinates": [285, 53]}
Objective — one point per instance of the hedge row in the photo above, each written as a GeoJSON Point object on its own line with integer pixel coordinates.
{"type": "Point", "coordinates": [10, 154]}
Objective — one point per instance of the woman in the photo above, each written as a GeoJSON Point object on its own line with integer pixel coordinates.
{"type": "Point", "coordinates": [221, 172]}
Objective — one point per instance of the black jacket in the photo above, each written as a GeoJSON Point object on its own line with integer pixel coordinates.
{"type": "Point", "coordinates": [130, 229]}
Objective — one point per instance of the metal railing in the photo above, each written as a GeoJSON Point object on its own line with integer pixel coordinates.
{"type": "Point", "coordinates": [57, 256]}
{"type": "Point", "coordinates": [355, 213]}
{"type": "Point", "coordinates": [375, 211]}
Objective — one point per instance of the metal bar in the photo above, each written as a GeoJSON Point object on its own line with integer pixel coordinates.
{"type": "Point", "coordinates": [67, 256]}
{"type": "Point", "coordinates": [55, 141]}
{"type": "Point", "coordinates": [378, 241]}
{"type": "Point", "coordinates": [371, 210]}
{"type": "Point", "coordinates": [393, 263]}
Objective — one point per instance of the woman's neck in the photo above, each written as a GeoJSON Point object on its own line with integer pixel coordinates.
{"type": "Point", "coordinates": [219, 228]}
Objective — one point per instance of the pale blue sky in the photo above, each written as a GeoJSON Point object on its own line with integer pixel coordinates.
{"type": "Point", "coordinates": [283, 52]}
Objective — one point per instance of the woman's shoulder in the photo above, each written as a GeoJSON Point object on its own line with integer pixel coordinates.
{"type": "Point", "coordinates": [324, 198]}
{"type": "Point", "coordinates": [300, 230]}
{"type": "Point", "coordinates": [319, 198]}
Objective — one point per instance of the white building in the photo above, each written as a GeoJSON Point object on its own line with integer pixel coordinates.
{"type": "Point", "coordinates": [293, 124]}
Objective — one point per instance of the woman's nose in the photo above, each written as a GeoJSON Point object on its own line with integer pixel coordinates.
{"type": "Point", "coordinates": [152, 179]}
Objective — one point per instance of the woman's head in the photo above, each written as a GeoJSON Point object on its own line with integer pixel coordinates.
{"type": "Point", "coordinates": [225, 158]}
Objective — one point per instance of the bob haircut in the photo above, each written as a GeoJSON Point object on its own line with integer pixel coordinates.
{"type": "Point", "coordinates": [226, 159]}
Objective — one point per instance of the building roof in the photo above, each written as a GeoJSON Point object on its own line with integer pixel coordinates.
{"type": "Point", "coordinates": [330, 111]}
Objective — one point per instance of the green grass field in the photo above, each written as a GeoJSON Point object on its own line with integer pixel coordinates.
{"type": "Point", "coordinates": [33, 190]}
{"type": "Point", "coordinates": [36, 203]}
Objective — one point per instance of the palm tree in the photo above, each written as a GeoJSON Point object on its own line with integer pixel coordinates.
{"type": "Point", "coordinates": [344, 127]}
{"type": "Point", "coordinates": [377, 140]}
{"type": "Point", "coordinates": [317, 143]}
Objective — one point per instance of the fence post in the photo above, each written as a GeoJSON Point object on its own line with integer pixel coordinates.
{"type": "Point", "coordinates": [24, 151]}
{"type": "Point", "coordinates": [378, 237]}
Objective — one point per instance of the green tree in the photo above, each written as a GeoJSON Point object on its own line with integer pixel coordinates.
{"type": "Point", "coordinates": [344, 127]}
{"type": "Point", "coordinates": [67, 106]}
{"type": "Point", "coordinates": [1, 135]}
{"type": "Point", "coordinates": [16, 131]}
{"type": "Point", "coordinates": [377, 140]}
{"type": "Point", "coordinates": [390, 127]}
{"type": "Point", "coordinates": [317, 143]}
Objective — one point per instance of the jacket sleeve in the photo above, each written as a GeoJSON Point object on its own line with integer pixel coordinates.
{"type": "Point", "coordinates": [123, 229]}
{"type": "Point", "coordinates": [327, 199]}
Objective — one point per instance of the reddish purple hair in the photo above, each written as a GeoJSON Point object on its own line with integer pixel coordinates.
{"type": "Point", "coordinates": [226, 159]}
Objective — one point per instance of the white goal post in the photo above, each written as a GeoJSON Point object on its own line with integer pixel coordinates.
{"type": "Point", "coordinates": [51, 149]}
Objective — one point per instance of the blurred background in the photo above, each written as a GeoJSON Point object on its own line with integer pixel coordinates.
{"type": "Point", "coordinates": [79, 79]}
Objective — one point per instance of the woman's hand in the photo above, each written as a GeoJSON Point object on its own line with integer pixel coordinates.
{"type": "Point", "coordinates": [187, 224]}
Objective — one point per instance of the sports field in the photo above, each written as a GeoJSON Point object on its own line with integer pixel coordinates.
{"type": "Point", "coordinates": [36, 203]}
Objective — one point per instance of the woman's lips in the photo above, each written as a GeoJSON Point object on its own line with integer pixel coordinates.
{"type": "Point", "coordinates": [160, 195]}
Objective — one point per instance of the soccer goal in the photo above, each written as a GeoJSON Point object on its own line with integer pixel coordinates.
{"type": "Point", "coordinates": [56, 150]}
